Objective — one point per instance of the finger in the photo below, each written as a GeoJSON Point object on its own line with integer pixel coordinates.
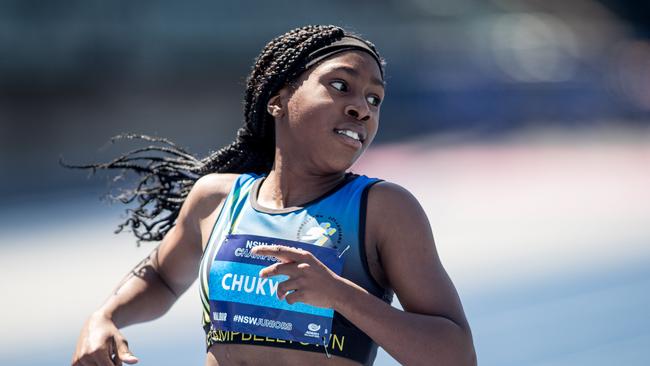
{"type": "Point", "coordinates": [112, 352]}
{"type": "Point", "coordinates": [101, 357]}
{"type": "Point", "coordinates": [284, 287]}
{"type": "Point", "coordinates": [76, 360]}
{"type": "Point", "coordinates": [294, 297]}
{"type": "Point", "coordinates": [123, 353]}
{"type": "Point", "coordinates": [87, 359]}
{"type": "Point", "coordinates": [290, 269]}
{"type": "Point", "coordinates": [282, 252]}
{"type": "Point", "coordinates": [81, 362]}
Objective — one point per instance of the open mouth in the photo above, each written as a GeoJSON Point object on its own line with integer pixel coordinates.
{"type": "Point", "coordinates": [351, 134]}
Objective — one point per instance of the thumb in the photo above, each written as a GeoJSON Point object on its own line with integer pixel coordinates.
{"type": "Point", "coordinates": [123, 352]}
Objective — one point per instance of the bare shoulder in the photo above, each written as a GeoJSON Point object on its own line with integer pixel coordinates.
{"type": "Point", "coordinates": [391, 204]}
{"type": "Point", "coordinates": [187, 237]}
{"type": "Point", "coordinates": [180, 251]}
{"type": "Point", "coordinates": [389, 193]}
{"type": "Point", "coordinates": [207, 193]}
{"type": "Point", "coordinates": [398, 226]}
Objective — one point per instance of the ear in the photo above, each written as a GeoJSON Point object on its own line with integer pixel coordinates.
{"type": "Point", "coordinates": [274, 106]}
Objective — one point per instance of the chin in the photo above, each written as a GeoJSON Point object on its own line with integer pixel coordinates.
{"type": "Point", "coordinates": [338, 160]}
{"type": "Point", "coordinates": [341, 165]}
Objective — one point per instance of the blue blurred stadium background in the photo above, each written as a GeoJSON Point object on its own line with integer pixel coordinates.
{"type": "Point", "coordinates": [523, 126]}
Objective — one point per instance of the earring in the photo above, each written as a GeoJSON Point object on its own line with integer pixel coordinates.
{"type": "Point", "coordinates": [273, 106]}
{"type": "Point", "coordinates": [274, 110]}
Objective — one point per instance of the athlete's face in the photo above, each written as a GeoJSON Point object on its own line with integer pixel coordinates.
{"type": "Point", "coordinates": [330, 115]}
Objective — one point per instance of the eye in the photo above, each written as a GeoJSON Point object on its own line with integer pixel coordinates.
{"type": "Point", "coordinates": [373, 100]}
{"type": "Point", "coordinates": [339, 85]}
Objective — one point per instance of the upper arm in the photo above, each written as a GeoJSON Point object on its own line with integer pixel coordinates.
{"type": "Point", "coordinates": [179, 253]}
{"type": "Point", "coordinates": [408, 254]}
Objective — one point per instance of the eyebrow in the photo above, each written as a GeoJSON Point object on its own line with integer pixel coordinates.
{"type": "Point", "coordinates": [353, 72]}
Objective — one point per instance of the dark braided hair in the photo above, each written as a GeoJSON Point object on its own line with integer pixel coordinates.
{"type": "Point", "coordinates": [165, 181]}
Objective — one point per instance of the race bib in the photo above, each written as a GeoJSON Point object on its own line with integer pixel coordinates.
{"type": "Point", "coordinates": [241, 301]}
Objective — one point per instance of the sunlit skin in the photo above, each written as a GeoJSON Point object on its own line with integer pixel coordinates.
{"type": "Point", "coordinates": [342, 92]}
{"type": "Point", "coordinates": [310, 159]}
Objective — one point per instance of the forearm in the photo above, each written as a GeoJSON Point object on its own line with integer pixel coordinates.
{"type": "Point", "coordinates": [412, 339]}
{"type": "Point", "coordinates": [141, 296]}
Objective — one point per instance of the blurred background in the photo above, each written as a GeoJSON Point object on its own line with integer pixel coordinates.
{"type": "Point", "coordinates": [523, 127]}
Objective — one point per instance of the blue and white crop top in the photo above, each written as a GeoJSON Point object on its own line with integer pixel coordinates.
{"type": "Point", "coordinates": [336, 220]}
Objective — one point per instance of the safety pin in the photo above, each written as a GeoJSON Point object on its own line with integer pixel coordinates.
{"type": "Point", "coordinates": [344, 250]}
{"type": "Point", "coordinates": [327, 354]}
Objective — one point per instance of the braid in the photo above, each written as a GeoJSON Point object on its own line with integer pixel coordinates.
{"type": "Point", "coordinates": [166, 181]}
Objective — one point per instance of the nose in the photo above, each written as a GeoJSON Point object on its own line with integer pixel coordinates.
{"type": "Point", "coordinates": [358, 112]}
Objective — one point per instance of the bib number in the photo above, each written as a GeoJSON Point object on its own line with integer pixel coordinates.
{"type": "Point", "coordinates": [241, 301]}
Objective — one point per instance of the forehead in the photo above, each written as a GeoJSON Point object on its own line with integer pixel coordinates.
{"type": "Point", "coordinates": [354, 63]}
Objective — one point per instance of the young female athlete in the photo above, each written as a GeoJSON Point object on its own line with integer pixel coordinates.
{"type": "Point", "coordinates": [311, 109]}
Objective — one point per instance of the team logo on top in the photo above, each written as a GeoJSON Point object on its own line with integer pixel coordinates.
{"type": "Point", "coordinates": [321, 231]}
{"type": "Point", "coordinates": [319, 234]}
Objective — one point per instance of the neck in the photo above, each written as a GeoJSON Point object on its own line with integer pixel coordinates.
{"type": "Point", "coordinates": [288, 185]}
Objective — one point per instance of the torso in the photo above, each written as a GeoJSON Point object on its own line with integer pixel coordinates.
{"type": "Point", "coordinates": [240, 354]}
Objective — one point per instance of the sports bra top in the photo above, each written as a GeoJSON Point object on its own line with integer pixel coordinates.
{"type": "Point", "coordinates": [336, 220]}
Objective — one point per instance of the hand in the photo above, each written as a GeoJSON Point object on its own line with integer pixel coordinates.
{"type": "Point", "coordinates": [309, 279]}
{"type": "Point", "coordinates": [102, 344]}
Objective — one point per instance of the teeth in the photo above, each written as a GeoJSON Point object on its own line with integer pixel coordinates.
{"type": "Point", "coordinates": [349, 133]}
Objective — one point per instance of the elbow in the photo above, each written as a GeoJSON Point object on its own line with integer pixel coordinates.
{"type": "Point", "coordinates": [464, 353]}
{"type": "Point", "coordinates": [472, 360]}
{"type": "Point", "coordinates": [459, 350]}
{"type": "Point", "coordinates": [469, 352]}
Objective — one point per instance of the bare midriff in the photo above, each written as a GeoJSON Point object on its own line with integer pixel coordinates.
{"type": "Point", "coordinates": [249, 355]}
